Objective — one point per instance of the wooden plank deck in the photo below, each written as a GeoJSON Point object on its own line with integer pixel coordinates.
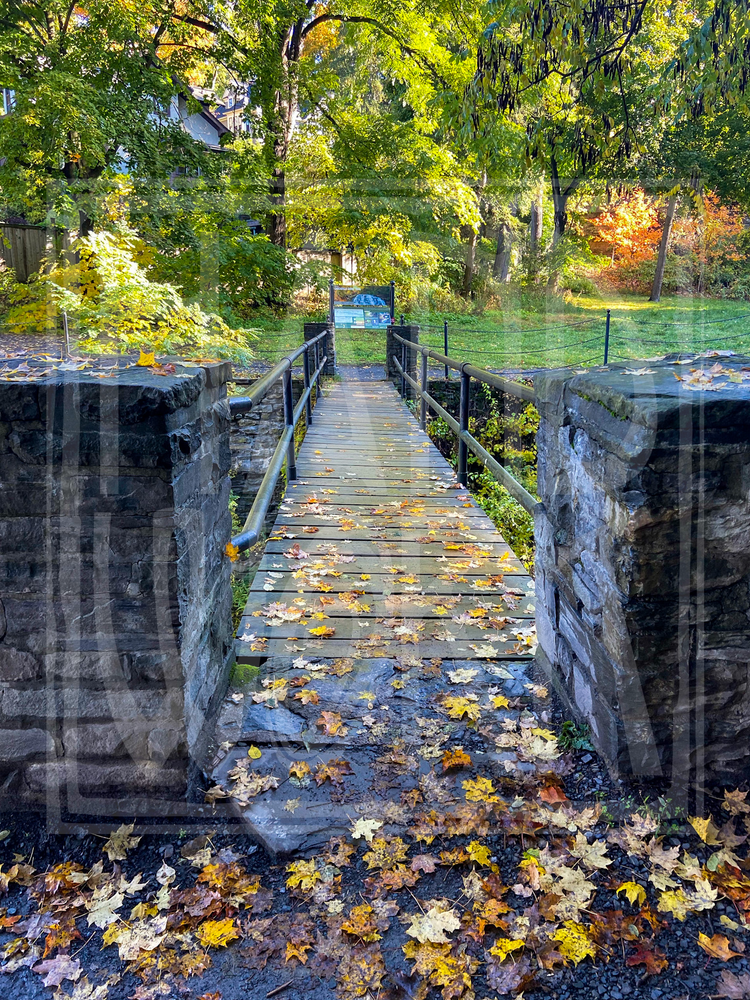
{"type": "Point", "coordinates": [376, 550]}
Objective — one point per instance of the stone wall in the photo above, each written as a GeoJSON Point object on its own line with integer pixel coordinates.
{"type": "Point", "coordinates": [643, 565]}
{"type": "Point", "coordinates": [253, 440]}
{"type": "Point", "coordinates": [115, 626]}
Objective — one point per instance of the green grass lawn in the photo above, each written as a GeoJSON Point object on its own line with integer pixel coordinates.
{"type": "Point", "coordinates": [535, 331]}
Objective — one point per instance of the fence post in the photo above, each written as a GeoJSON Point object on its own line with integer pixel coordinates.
{"type": "Point", "coordinates": [445, 347]}
{"type": "Point", "coordinates": [423, 408]}
{"type": "Point", "coordinates": [291, 462]}
{"type": "Point", "coordinates": [312, 330]}
{"type": "Point", "coordinates": [463, 423]}
{"type": "Point", "coordinates": [409, 332]}
{"type": "Point", "coordinates": [606, 339]}
{"type": "Point", "coordinates": [403, 370]}
{"type": "Point", "coordinates": [306, 375]}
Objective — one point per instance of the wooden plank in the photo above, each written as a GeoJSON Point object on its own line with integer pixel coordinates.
{"type": "Point", "coordinates": [375, 488]}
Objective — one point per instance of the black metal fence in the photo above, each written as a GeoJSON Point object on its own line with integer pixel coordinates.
{"type": "Point", "coordinates": [466, 441]}
{"type": "Point", "coordinates": [313, 362]}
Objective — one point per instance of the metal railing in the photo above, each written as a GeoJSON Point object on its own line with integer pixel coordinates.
{"type": "Point", "coordinates": [466, 441]}
{"type": "Point", "coordinates": [238, 405]}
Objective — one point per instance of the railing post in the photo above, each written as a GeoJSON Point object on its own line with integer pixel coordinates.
{"type": "Point", "coordinates": [291, 463]}
{"type": "Point", "coordinates": [423, 408]}
{"type": "Point", "coordinates": [403, 369]}
{"type": "Point", "coordinates": [306, 376]}
{"type": "Point", "coordinates": [463, 423]}
{"type": "Point", "coordinates": [445, 347]}
{"type": "Point", "coordinates": [606, 339]}
{"type": "Point", "coordinates": [313, 330]}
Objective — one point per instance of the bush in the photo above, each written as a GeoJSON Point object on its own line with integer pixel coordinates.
{"type": "Point", "coordinates": [234, 271]}
{"type": "Point", "coordinates": [113, 305]}
{"type": "Point", "coordinates": [513, 522]}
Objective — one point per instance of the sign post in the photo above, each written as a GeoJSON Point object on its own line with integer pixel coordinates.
{"type": "Point", "coordinates": [368, 308]}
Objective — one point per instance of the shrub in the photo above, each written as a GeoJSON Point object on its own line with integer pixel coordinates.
{"type": "Point", "coordinates": [112, 305]}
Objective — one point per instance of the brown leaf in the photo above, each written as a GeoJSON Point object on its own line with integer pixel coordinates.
{"type": "Point", "coordinates": [332, 723]}
{"type": "Point", "coordinates": [655, 961]}
{"type": "Point", "coordinates": [55, 970]}
{"type": "Point", "coordinates": [717, 946]}
{"type": "Point", "coordinates": [424, 863]}
{"type": "Point", "coordinates": [334, 771]}
{"type": "Point", "coordinates": [734, 987]}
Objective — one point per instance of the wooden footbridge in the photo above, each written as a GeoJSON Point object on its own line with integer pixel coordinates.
{"type": "Point", "coordinates": [378, 550]}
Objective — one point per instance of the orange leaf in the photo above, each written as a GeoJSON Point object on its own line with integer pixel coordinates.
{"type": "Point", "coordinates": [717, 947]}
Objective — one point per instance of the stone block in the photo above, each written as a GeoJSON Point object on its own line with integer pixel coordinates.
{"type": "Point", "coordinates": [643, 566]}
{"type": "Point", "coordinates": [19, 745]}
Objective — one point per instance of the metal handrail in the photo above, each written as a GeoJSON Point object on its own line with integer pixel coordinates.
{"type": "Point", "coordinates": [253, 526]}
{"type": "Point", "coordinates": [466, 441]}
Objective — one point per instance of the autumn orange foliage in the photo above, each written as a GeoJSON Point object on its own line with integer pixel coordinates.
{"type": "Point", "coordinates": [704, 242]}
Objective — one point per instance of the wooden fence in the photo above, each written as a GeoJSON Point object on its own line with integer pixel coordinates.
{"type": "Point", "coordinates": [22, 248]}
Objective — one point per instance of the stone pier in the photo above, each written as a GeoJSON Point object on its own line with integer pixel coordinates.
{"type": "Point", "coordinates": [643, 563]}
{"type": "Point", "coordinates": [115, 623]}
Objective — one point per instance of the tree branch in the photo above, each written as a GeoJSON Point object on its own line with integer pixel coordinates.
{"type": "Point", "coordinates": [361, 19]}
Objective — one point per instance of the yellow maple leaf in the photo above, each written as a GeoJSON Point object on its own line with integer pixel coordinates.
{"type": "Point", "coordinates": [299, 769]}
{"type": "Point", "coordinates": [674, 902]}
{"type": "Point", "coordinates": [734, 802]}
{"type": "Point", "coordinates": [120, 842]}
{"type": "Point", "coordinates": [232, 552]}
{"type": "Point", "coordinates": [504, 946]}
{"type": "Point", "coordinates": [217, 933]}
{"type": "Point", "coordinates": [480, 790]}
{"type": "Point", "coordinates": [303, 874]}
{"type": "Point", "coordinates": [479, 853]}
{"type": "Point", "coordinates": [459, 706]}
{"type": "Point", "coordinates": [705, 829]}
{"type": "Point", "coordinates": [500, 701]}
{"type": "Point", "coordinates": [146, 359]}
{"type": "Point", "coordinates": [635, 894]}
{"type": "Point", "coordinates": [574, 942]}
{"type": "Point", "coordinates": [322, 630]}
{"type": "Point", "coordinates": [431, 927]}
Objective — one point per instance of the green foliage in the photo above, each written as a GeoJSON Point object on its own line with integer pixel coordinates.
{"type": "Point", "coordinates": [89, 90]}
{"type": "Point", "coordinates": [513, 522]}
{"type": "Point", "coordinates": [113, 305]}
{"type": "Point", "coordinates": [240, 591]}
{"type": "Point", "coordinates": [509, 435]}
{"type": "Point", "coordinates": [573, 737]}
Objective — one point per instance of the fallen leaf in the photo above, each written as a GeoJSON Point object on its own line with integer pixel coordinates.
{"type": "Point", "coordinates": [365, 828]}
{"type": "Point", "coordinates": [717, 946]}
{"type": "Point", "coordinates": [120, 842]}
{"type": "Point", "coordinates": [217, 933]}
{"type": "Point", "coordinates": [635, 894]}
{"type": "Point", "coordinates": [55, 970]}
{"type": "Point", "coordinates": [431, 927]}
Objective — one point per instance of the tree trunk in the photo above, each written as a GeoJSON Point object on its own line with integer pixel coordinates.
{"type": "Point", "coordinates": [501, 266]}
{"type": "Point", "coordinates": [560, 194]}
{"type": "Point", "coordinates": [277, 218]}
{"type": "Point", "coordinates": [536, 225]}
{"type": "Point", "coordinates": [661, 260]}
{"type": "Point", "coordinates": [281, 121]}
{"type": "Point", "coordinates": [471, 252]}
{"type": "Point", "coordinates": [471, 248]}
